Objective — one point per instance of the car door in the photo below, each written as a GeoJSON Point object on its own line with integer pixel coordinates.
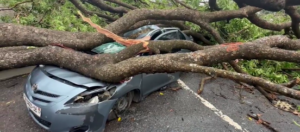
{"type": "Point", "coordinates": [152, 82]}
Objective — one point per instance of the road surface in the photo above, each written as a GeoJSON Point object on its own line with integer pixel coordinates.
{"type": "Point", "coordinates": [220, 108]}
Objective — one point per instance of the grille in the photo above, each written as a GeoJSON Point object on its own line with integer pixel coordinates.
{"type": "Point", "coordinates": [42, 100]}
{"type": "Point", "coordinates": [46, 94]}
{"type": "Point", "coordinates": [43, 122]}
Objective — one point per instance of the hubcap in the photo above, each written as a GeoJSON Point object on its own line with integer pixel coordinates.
{"type": "Point", "coordinates": [122, 104]}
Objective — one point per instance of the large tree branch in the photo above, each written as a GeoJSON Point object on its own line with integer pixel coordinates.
{"type": "Point", "coordinates": [157, 47]}
{"type": "Point", "coordinates": [16, 35]}
{"type": "Point", "coordinates": [259, 49]}
{"type": "Point", "coordinates": [110, 68]}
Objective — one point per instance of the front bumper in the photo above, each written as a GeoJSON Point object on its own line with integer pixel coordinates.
{"type": "Point", "coordinates": [92, 117]}
{"type": "Point", "coordinates": [58, 117]}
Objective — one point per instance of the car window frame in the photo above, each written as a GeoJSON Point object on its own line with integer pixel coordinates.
{"type": "Point", "coordinates": [168, 32]}
{"type": "Point", "coordinates": [169, 29]}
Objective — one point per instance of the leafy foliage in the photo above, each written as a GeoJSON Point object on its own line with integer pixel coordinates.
{"type": "Point", "coordinates": [242, 30]}
{"type": "Point", "coordinates": [50, 14]}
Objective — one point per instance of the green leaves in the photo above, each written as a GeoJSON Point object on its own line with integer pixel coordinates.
{"type": "Point", "coordinates": [271, 70]}
{"type": "Point", "coordinates": [242, 30]}
{"type": "Point", "coordinates": [52, 15]}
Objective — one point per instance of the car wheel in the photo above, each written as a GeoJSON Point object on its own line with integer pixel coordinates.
{"type": "Point", "coordinates": [122, 104]}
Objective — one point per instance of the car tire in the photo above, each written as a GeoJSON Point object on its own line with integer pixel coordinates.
{"type": "Point", "coordinates": [122, 104]}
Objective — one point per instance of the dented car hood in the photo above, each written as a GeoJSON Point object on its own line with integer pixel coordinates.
{"type": "Point", "coordinates": [70, 76]}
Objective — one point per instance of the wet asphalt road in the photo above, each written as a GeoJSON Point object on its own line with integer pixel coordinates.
{"type": "Point", "coordinates": [174, 111]}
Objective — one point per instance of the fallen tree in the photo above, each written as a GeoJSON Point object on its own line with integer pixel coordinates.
{"type": "Point", "coordinates": [64, 49]}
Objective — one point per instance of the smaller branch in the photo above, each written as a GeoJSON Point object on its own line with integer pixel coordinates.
{"type": "Point", "coordinates": [174, 2]}
{"type": "Point", "coordinates": [288, 32]}
{"type": "Point", "coordinates": [292, 83]}
{"type": "Point", "coordinates": [213, 5]}
{"type": "Point", "coordinates": [292, 12]}
{"type": "Point", "coordinates": [266, 25]}
{"type": "Point", "coordinates": [42, 19]}
{"type": "Point", "coordinates": [259, 120]}
{"type": "Point", "coordinates": [270, 5]}
{"type": "Point", "coordinates": [107, 33]}
{"type": "Point", "coordinates": [80, 7]}
{"type": "Point", "coordinates": [197, 36]}
{"type": "Point", "coordinates": [263, 92]}
{"type": "Point", "coordinates": [11, 8]}
{"type": "Point", "coordinates": [236, 67]}
{"type": "Point", "coordinates": [123, 4]}
{"type": "Point", "coordinates": [237, 33]}
{"type": "Point", "coordinates": [100, 4]}
{"type": "Point", "coordinates": [201, 85]}
{"type": "Point", "coordinates": [184, 5]}
{"type": "Point", "coordinates": [213, 32]}
{"type": "Point", "coordinates": [228, 15]}
{"type": "Point", "coordinates": [248, 87]}
{"type": "Point", "coordinates": [176, 89]}
{"type": "Point", "coordinates": [142, 2]}
{"type": "Point", "coordinates": [292, 2]}
{"type": "Point", "coordinates": [249, 79]}
{"type": "Point", "coordinates": [253, 18]}
{"type": "Point", "coordinates": [292, 69]}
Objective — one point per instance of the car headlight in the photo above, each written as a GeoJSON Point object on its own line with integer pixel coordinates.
{"type": "Point", "coordinates": [93, 96]}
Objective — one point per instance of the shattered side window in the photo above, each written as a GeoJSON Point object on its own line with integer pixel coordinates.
{"type": "Point", "coordinates": [112, 47]}
{"type": "Point", "coordinates": [181, 36]}
{"type": "Point", "coordinates": [134, 33]}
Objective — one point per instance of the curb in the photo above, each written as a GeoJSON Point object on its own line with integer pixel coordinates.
{"type": "Point", "coordinates": [7, 74]}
